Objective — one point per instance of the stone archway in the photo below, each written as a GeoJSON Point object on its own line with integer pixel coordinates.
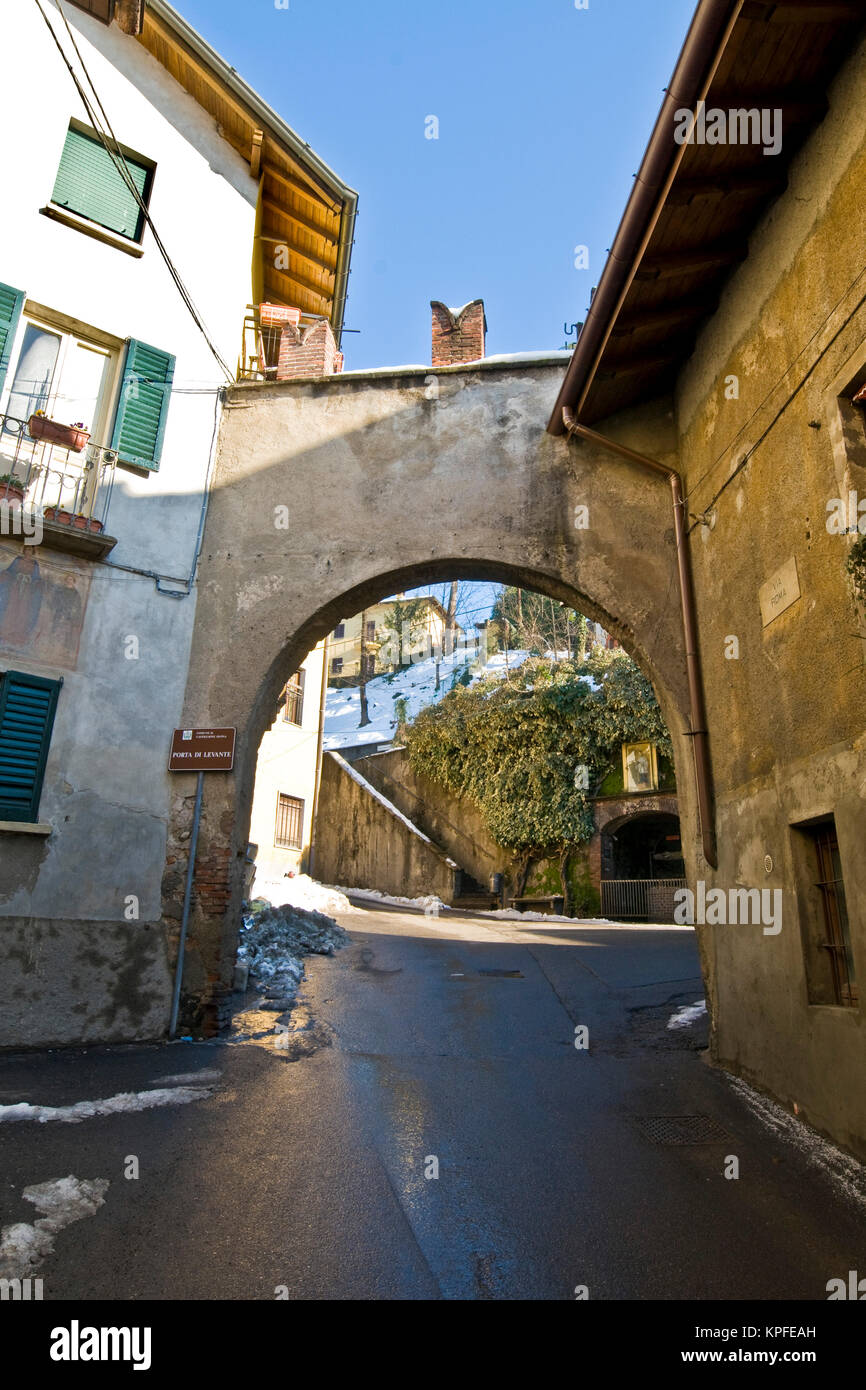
{"type": "Point", "coordinates": [331, 494]}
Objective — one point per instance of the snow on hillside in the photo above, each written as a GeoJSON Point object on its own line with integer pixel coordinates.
{"type": "Point", "coordinates": [416, 685]}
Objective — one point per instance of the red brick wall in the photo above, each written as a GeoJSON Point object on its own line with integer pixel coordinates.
{"type": "Point", "coordinates": [459, 339]}
{"type": "Point", "coordinates": [308, 350]}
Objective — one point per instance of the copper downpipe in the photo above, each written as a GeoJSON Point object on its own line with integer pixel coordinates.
{"type": "Point", "coordinates": [697, 709]}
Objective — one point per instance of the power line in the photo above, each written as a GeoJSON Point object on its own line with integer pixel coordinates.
{"type": "Point", "coordinates": [122, 167]}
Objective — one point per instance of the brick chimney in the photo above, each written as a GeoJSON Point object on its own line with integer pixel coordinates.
{"type": "Point", "coordinates": [458, 334]}
{"type": "Point", "coordinates": [308, 349]}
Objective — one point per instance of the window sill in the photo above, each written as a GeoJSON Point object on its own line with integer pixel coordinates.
{"type": "Point", "coordinates": [25, 827]}
{"type": "Point", "coordinates": [80, 224]}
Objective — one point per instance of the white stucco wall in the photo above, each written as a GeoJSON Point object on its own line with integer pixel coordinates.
{"type": "Point", "coordinates": [106, 791]}
{"type": "Point", "coordinates": [287, 764]}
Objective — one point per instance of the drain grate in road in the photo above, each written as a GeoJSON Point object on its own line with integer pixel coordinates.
{"type": "Point", "coordinates": [681, 1129]}
{"type": "Point", "coordinates": [503, 974]}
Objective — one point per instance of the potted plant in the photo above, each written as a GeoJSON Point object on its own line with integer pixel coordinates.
{"type": "Point", "coordinates": [11, 488]}
{"type": "Point", "coordinates": [86, 523]}
{"type": "Point", "coordinates": [59, 514]}
{"type": "Point", "coordinates": [72, 437]}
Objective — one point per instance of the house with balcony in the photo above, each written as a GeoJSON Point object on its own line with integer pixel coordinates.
{"type": "Point", "coordinates": [168, 234]}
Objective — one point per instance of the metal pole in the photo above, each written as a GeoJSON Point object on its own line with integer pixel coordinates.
{"type": "Point", "coordinates": [193, 842]}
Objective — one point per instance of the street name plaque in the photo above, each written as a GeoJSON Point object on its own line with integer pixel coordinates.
{"type": "Point", "coordinates": [202, 750]}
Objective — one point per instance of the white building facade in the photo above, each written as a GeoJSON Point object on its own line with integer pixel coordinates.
{"type": "Point", "coordinates": [97, 602]}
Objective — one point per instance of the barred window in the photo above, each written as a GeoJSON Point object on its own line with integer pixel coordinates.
{"type": "Point", "coordinates": [290, 822]}
{"type": "Point", "coordinates": [293, 699]}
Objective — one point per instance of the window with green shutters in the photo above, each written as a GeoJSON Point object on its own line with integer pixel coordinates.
{"type": "Point", "coordinates": [88, 182]}
{"type": "Point", "coordinates": [27, 707]}
{"type": "Point", "coordinates": [10, 312]}
{"type": "Point", "coordinates": [139, 425]}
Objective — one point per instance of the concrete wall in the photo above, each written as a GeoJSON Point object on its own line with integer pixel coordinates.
{"type": "Point", "coordinates": [74, 968]}
{"type": "Point", "coordinates": [788, 716]}
{"type": "Point", "coordinates": [364, 461]}
{"type": "Point", "coordinates": [454, 823]}
{"type": "Point", "coordinates": [362, 842]}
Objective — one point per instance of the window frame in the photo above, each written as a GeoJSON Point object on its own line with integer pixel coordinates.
{"type": "Point", "coordinates": [131, 157]}
{"type": "Point", "coordinates": [286, 804]}
{"type": "Point", "coordinates": [29, 815]}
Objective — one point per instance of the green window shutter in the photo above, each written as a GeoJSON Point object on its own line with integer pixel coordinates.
{"type": "Point", "coordinates": [10, 312]}
{"type": "Point", "coordinates": [139, 425]}
{"type": "Point", "coordinates": [27, 707]}
{"type": "Point", "coordinates": [89, 183]}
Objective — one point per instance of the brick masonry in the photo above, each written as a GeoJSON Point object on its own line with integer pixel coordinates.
{"type": "Point", "coordinates": [458, 337]}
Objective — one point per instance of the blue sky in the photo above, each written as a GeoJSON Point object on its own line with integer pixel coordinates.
{"type": "Point", "coordinates": [544, 112]}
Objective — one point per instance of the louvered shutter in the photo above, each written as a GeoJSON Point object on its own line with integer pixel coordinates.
{"type": "Point", "coordinates": [88, 182]}
{"type": "Point", "coordinates": [27, 707]}
{"type": "Point", "coordinates": [139, 425]}
{"type": "Point", "coordinates": [10, 312]}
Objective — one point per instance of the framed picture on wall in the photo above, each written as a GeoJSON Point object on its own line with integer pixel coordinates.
{"type": "Point", "coordinates": [639, 767]}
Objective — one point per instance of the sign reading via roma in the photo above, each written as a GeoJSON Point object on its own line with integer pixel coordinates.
{"type": "Point", "coordinates": [202, 750]}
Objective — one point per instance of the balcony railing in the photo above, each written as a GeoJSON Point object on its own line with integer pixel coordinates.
{"type": "Point", "coordinates": [67, 486]}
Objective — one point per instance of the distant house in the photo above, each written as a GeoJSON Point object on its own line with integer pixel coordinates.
{"type": "Point", "coordinates": [423, 637]}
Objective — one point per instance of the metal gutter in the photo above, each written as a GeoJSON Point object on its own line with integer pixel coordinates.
{"type": "Point", "coordinates": [701, 54]}
{"type": "Point", "coordinates": [697, 708]}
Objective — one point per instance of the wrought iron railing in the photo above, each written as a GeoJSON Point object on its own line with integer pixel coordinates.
{"type": "Point", "coordinates": [639, 899]}
{"type": "Point", "coordinates": [66, 485]}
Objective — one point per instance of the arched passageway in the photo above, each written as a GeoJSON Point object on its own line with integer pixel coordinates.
{"type": "Point", "coordinates": [329, 495]}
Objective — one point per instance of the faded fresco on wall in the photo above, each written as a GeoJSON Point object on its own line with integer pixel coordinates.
{"type": "Point", "coordinates": [43, 597]}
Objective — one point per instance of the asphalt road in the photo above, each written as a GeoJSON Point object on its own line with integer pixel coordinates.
{"type": "Point", "coordinates": [309, 1168]}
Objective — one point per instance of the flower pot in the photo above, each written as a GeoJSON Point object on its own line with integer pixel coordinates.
{"type": "Point", "coordinates": [68, 436]}
{"type": "Point", "coordinates": [86, 523]}
{"type": "Point", "coordinates": [58, 514]}
{"type": "Point", "coordinates": [13, 493]}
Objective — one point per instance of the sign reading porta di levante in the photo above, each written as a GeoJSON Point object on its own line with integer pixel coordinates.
{"type": "Point", "coordinates": [202, 750]}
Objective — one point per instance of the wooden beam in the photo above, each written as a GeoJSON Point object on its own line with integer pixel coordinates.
{"type": "Point", "coordinates": [301, 255]}
{"type": "Point", "coordinates": [650, 319]}
{"type": "Point", "coordinates": [325, 296]}
{"type": "Point", "coordinates": [281, 176]}
{"type": "Point", "coordinates": [298, 298]}
{"type": "Point", "coordinates": [671, 263]}
{"type": "Point", "coordinates": [802, 12]}
{"type": "Point", "coordinates": [793, 102]}
{"type": "Point", "coordinates": [724, 184]}
{"type": "Point", "coordinates": [306, 222]}
{"type": "Point", "coordinates": [635, 365]}
{"type": "Point", "coordinates": [256, 153]}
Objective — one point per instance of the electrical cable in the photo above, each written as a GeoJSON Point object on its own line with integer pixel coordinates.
{"type": "Point", "coordinates": [122, 167]}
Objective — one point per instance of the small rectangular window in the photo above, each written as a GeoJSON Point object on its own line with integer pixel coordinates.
{"type": "Point", "coordinates": [340, 631]}
{"type": "Point", "coordinates": [100, 9]}
{"type": "Point", "coordinates": [293, 702]}
{"type": "Point", "coordinates": [290, 822]}
{"type": "Point", "coordinates": [337, 666]}
{"type": "Point", "coordinates": [90, 183]}
{"type": "Point", "coordinates": [826, 932]}
{"type": "Point", "coordinates": [27, 707]}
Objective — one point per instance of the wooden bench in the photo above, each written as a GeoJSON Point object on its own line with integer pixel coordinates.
{"type": "Point", "coordinates": [555, 901]}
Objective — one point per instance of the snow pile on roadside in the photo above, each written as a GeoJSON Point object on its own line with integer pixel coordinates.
{"type": "Point", "coordinates": [511, 914]}
{"type": "Point", "coordinates": [303, 891]}
{"type": "Point", "coordinates": [374, 896]}
{"type": "Point", "coordinates": [685, 1017]}
{"type": "Point", "coordinates": [273, 941]}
